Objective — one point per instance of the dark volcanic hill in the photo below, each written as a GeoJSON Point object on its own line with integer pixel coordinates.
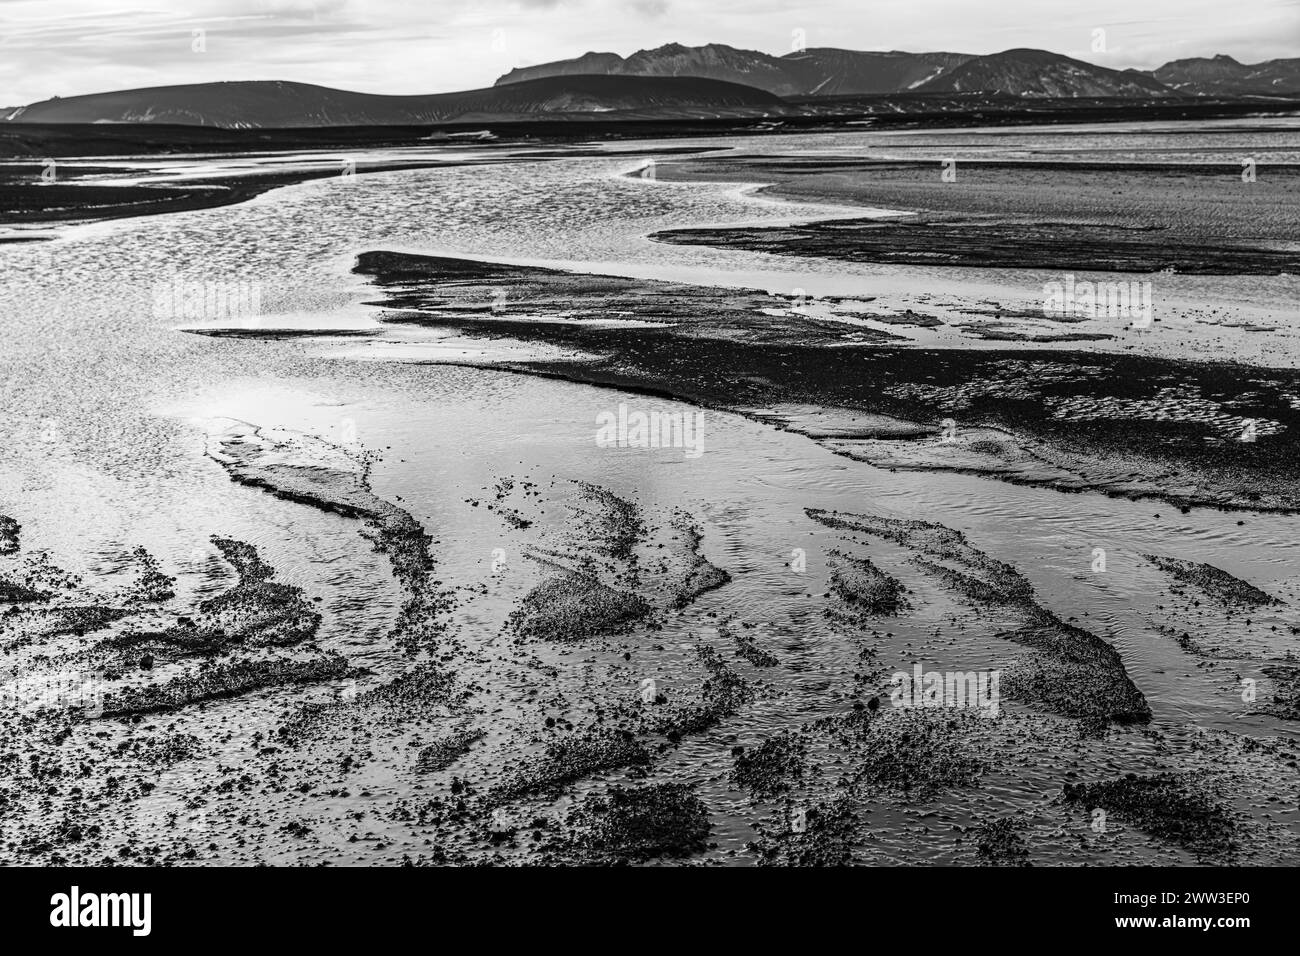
{"type": "Point", "coordinates": [716, 61]}
{"type": "Point", "coordinates": [805, 73]}
{"type": "Point", "coordinates": [831, 72]}
{"type": "Point", "coordinates": [277, 104]}
{"type": "Point", "coordinates": [1224, 76]}
{"type": "Point", "coordinates": [1040, 73]}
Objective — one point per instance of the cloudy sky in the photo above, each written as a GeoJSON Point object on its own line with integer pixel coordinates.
{"type": "Point", "coordinates": [66, 47]}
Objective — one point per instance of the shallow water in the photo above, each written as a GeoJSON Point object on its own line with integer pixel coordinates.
{"type": "Point", "coordinates": [108, 405]}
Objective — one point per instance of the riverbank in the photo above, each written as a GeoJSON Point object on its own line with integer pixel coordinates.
{"type": "Point", "coordinates": [1189, 433]}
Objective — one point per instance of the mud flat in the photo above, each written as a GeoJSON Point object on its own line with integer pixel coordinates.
{"type": "Point", "coordinates": [310, 471]}
{"type": "Point", "coordinates": [1215, 583]}
{"type": "Point", "coordinates": [823, 836]}
{"type": "Point", "coordinates": [633, 825]}
{"type": "Point", "coordinates": [994, 244]}
{"type": "Point", "coordinates": [609, 569]}
{"type": "Point", "coordinates": [9, 531]}
{"type": "Point", "coordinates": [1172, 808]}
{"type": "Point", "coordinates": [747, 646]}
{"type": "Point", "coordinates": [551, 752]}
{"type": "Point", "coordinates": [1070, 671]}
{"type": "Point", "coordinates": [573, 606]}
{"type": "Point", "coordinates": [569, 759]}
{"type": "Point", "coordinates": [1191, 433]}
{"type": "Point", "coordinates": [1285, 702]}
{"type": "Point", "coordinates": [700, 575]}
{"type": "Point", "coordinates": [220, 681]}
{"type": "Point", "coordinates": [772, 767]}
{"type": "Point", "coordinates": [861, 584]}
{"type": "Point", "coordinates": [26, 199]}
{"type": "Point", "coordinates": [1045, 214]}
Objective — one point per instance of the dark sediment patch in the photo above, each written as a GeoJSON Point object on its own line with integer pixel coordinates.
{"type": "Point", "coordinates": [617, 526]}
{"type": "Point", "coordinates": [628, 566]}
{"type": "Point", "coordinates": [1018, 212]}
{"type": "Point", "coordinates": [572, 606]}
{"type": "Point", "coordinates": [279, 335]}
{"type": "Point", "coordinates": [313, 472]}
{"type": "Point", "coordinates": [1286, 692]}
{"type": "Point", "coordinates": [572, 758]}
{"type": "Point", "coordinates": [443, 753]}
{"type": "Point", "coordinates": [1169, 807]}
{"type": "Point", "coordinates": [30, 624]}
{"type": "Point", "coordinates": [917, 753]}
{"type": "Point", "coordinates": [40, 573]}
{"type": "Point", "coordinates": [163, 751]}
{"type": "Point", "coordinates": [250, 457]}
{"type": "Point", "coordinates": [426, 692]}
{"type": "Point", "coordinates": [747, 648]}
{"type": "Point", "coordinates": [990, 243]}
{"type": "Point", "coordinates": [152, 586]}
{"type": "Point", "coordinates": [9, 534]}
{"type": "Point", "coordinates": [818, 836]}
{"type": "Point", "coordinates": [1213, 582]}
{"type": "Point", "coordinates": [25, 198]}
{"type": "Point", "coordinates": [722, 694]}
{"type": "Point", "coordinates": [1076, 674]}
{"type": "Point", "coordinates": [11, 593]}
{"type": "Point", "coordinates": [635, 824]}
{"type": "Point", "coordinates": [256, 612]}
{"type": "Point", "coordinates": [997, 333]}
{"type": "Point", "coordinates": [1001, 843]}
{"type": "Point", "coordinates": [771, 768]}
{"type": "Point", "coordinates": [863, 586]}
{"type": "Point", "coordinates": [1072, 671]}
{"type": "Point", "coordinates": [217, 681]}
{"type": "Point", "coordinates": [701, 574]}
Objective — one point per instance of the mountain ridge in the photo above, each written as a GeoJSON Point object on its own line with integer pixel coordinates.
{"type": "Point", "coordinates": [675, 82]}
{"type": "Point", "coordinates": [1039, 73]}
{"type": "Point", "coordinates": [810, 72]}
{"type": "Point", "coordinates": [243, 104]}
{"type": "Point", "coordinates": [1221, 74]}
{"type": "Point", "coordinates": [831, 71]}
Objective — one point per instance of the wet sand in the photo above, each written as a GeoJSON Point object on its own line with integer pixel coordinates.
{"type": "Point", "coordinates": [25, 199]}
{"type": "Point", "coordinates": [1037, 213]}
{"type": "Point", "coordinates": [632, 704]}
{"type": "Point", "coordinates": [1120, 424]}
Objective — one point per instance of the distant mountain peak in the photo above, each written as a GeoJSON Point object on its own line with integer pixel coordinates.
{"type": "Point", "coordinates": [819, 71]}
{"type": "Point", "coordinates": [1041, 73]}
{"type": "Point", "coordinates": [1223, 75]}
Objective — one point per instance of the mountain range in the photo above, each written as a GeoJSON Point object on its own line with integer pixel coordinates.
{"type": "Point", "coordinates": [679, 82]}
{"type": "Point", "coordinates": [807, 73]}
{"type": "Point", "coordinates": [280, 104]}
{"type": "Point", "coordinates": [1022, 72]}
{"type": "Point", "coordinates": [1222, 75]}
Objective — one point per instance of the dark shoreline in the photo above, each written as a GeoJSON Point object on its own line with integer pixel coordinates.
{"type": "Point", "coordinates": [28, 201]}
{"type": "Point", "coordinates": [25, 199]}
{"type": "Point", "coordinates": [1017, 423]}
{"type": "Point", "coordinates": [997, 212]}
{"type": "Point", "coordinates": [899, 111]}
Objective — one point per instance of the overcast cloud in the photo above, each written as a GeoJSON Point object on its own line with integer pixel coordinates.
{"type": "Point", "coordinates": [67, 47]}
